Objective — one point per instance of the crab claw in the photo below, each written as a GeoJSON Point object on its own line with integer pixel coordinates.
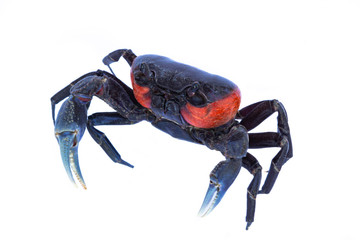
{"type": "Point", "coordinates": [70, 126]}
{"type": "Point", "coordinates": [221, 179]}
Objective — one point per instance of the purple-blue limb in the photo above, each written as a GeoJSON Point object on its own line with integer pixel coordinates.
{"type": "Point", "coordinates": [70, 126]}
{"type": "Point", "coordinates": [250, 163]}
{"type": "Point", "coordinates": [255, 114]}
{"type": "Point", "coordinates": [221, 178]}
{"type": "Point", "coordinates": [72, 119]}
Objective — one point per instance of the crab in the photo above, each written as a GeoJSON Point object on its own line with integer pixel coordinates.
{"type": "Point", "coordinates": [183, 101]}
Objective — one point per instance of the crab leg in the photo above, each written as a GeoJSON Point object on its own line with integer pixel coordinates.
{"type": "Point", "coordinates": [107, 118]}
{"type": "Point", "coordinates": [252, 165]}
{"type": "Point", "coordinates": [271, 139]}
{"type": "Point", "coordinates": [252, 116]}
{"type": "Point", "coordinates": [277, 162]}
{"type": "Point", "coordinates": [114, 56]}
{"type": "Point", "coordinates": [72, 117]}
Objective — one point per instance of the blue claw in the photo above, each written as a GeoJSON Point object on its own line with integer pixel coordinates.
{"type": "Point", "coordinates": [221, 179]}
{"type": "Point", "coordinates": [70, 126]}
{"type": "Point", "coordinates": [212, 199]}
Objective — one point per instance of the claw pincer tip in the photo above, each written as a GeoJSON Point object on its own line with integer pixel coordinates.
{"type": "Point", "coordinates": [70, 126]}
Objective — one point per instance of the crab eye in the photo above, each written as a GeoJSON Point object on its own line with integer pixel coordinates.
{"type": "Point", "coordinates": [193, 89]}
{"type": "Point", "coordinates": [140, 79]}
{"type": "Point", "coordinates": [143, 75]}
{"type": "Point", "coordinates": [195, 97]}
{"type": "Point", "coordinates": [198, 100]}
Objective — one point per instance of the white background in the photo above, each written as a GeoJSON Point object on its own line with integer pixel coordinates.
{"type": "Point", "coordinates": [304, 53]}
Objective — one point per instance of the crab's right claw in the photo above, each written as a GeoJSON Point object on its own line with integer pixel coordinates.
{"type": "Point", "coordinates": [221, 179]}
{"type": "Point", "coordinates": [70, 126]}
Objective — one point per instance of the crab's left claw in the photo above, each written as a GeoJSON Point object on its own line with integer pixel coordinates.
{"type": "Point", "coordinates": [221, 179]}
{"type": "Point", "coordinates": [70, 126]}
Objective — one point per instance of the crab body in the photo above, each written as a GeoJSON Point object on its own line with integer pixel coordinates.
{"type": "Point", "coordinates": [182, 93]}
{"type": "Point", "coordinates": [183, 101]}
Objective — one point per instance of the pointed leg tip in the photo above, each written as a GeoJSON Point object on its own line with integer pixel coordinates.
{"type": "Point", "coordinates": [248, 225]}
{"type": "Point", "coordinates": [126, 164]}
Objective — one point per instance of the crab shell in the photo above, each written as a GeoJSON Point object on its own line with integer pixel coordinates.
{"type": "Point", "coordinates": [216, 99]}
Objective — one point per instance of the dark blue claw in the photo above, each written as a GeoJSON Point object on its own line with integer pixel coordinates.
{"type": "Point", "coordinates": [221, 179]}
{"type": "Point", "coordinates": [70, 126]}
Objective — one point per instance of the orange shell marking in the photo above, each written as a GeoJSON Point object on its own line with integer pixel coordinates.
{"type": "Point", "coordinates": [214, 114]}
{"type": "Point", "coordinates": [142, 94]}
